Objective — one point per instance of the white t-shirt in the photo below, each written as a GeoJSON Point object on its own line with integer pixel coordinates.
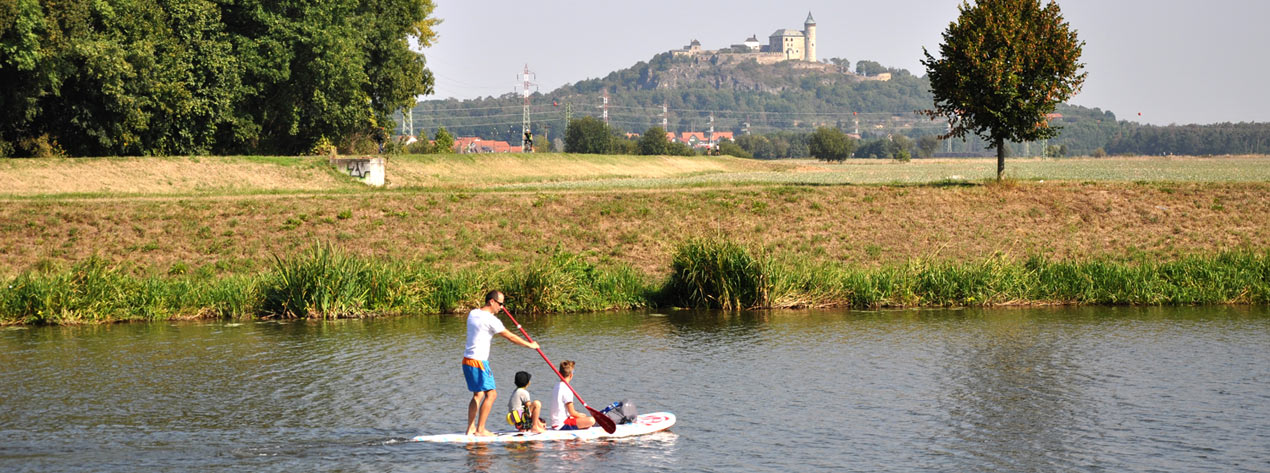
{"type": "Point", "coordinates": [481, 328]}
{"type": "Point", "coordinates": [560, 413]}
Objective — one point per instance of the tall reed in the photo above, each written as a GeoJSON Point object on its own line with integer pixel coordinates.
{"type": "Point", "coordinates": [717, 273]}
{"type": "Point", "coordinates": [565, 282]}
{"type": "Point", "coordinates": [323, 282]}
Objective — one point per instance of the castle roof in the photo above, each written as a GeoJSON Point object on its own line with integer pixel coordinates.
{"type": "Point", "coordinates": [810, 20]}
{"type": "Point", "coordinates": [787, 32]}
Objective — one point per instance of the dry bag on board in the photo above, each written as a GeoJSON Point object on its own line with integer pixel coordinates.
{"type": "Point", "coordinates": [622, 412]}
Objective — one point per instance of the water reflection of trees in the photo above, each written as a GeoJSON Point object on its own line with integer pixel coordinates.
{"type": "Point", "coordinates": [1012, 396]}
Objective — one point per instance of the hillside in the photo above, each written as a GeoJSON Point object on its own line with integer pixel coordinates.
{"type": "Point", "coordinates": [783, 97]}
{"type": "Point", "coordinates": [732, 94]}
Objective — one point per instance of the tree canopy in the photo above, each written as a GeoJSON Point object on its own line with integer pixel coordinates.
{"type": "Point", "coordinates": [1005, 65]}
{"type": "Point", "coordinates": [830, 144]}
{"type": "Point", "coordinates": [587, 135]}
{"type": "Point", "coordinates": [157, 77]}
{"type": "Point", "coordinates": [654, 142]}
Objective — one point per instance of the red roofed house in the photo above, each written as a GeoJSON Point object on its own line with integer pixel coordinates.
{"type": "Point", "coordinates": [698, 139]}
{"type": "Point", "coordinates": [692, 138]}
{"type": "Point", "coordinates": [474, 144]}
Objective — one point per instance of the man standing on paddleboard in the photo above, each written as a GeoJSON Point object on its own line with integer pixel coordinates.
{"type": "Point", "coordinates": [482, 325]}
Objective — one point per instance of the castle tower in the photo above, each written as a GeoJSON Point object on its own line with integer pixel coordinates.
{"type": "Point", "coordinates": [809, 32]}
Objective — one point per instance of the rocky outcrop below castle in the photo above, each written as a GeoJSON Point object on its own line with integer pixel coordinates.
{"type": "Point", "coordinates": [740, 72]}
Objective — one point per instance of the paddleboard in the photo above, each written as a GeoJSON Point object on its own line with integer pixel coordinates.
{"type": "Point", "coordinates": [644, 424]}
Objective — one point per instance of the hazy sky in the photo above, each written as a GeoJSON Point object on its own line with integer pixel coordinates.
{"type": "Point", "coordinates": [1173, 61]}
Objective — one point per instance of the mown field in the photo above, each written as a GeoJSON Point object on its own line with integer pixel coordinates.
{"type": "Point", "coordinates": [222, 217]}
{"type": "Point", "coordinates": [233, 176]}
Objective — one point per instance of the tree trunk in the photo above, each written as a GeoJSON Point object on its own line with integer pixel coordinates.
{"type": "Point", "coordinates": [1000, 158]}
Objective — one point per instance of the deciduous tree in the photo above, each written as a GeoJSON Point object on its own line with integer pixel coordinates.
{"type": "Point", "coordinates": [444, 142]}
{"type": "Point", "coordinates": [146, 77]}
{"type": "Point", "coordinates": [587, 135]}
{"type": "Point", "coordinates": [654, 142]}
{"type": "Point", "coordinates": [1004, 65]}
{"type": "Point", "coordinates": [830, 144]}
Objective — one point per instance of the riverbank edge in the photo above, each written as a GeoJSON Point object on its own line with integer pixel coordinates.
{"type": "Point", "coordinates": [325, 282]}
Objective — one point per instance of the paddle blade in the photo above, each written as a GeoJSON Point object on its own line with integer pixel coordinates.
{"type": "Point", "coordinates": [605, 422]}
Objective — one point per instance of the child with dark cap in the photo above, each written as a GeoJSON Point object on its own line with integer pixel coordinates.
{"type": "Point", "coordinates": [522, 411]}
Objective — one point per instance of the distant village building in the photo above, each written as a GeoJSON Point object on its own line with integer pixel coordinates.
{"type": "Point", "coordinates": [783, 45]}
{"type": "Point", "coordinates": [474, 144]}
{"type": "Point", "coordinates": [701, 140]}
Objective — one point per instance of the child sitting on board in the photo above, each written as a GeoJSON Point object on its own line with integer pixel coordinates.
{"type": "Point", "coordinates": [522, 412]}
{"type": "Point", "coordinates": [563, 415]}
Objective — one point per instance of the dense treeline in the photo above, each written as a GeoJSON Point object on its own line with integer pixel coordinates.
{"type": "Point", "coordinates": [1193, 140]}
{"type": "Point", "coordinates": [174, 77]}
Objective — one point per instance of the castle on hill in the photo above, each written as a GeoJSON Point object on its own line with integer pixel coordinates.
{"type": "Point", "coordinates": [783, 45]}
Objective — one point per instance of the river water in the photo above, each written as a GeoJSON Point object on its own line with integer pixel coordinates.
{"type": "Point", "coordinates": [1055, 389]}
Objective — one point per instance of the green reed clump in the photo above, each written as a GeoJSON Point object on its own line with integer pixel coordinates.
{"type": "Point", "coordinates": [1232, 277]}
{"type": "Point", "coordinates": [451, 292]}
{"type": "Point", "coordinates": [566, 282]}
{"type": "Point", "coordinates": [1224, 278]}
{"type": "Point", "coordinates": [231, 297]}
{"type": "Point", "coordinates": [93, 291]}
{"type": "Point", "coordinates": [323, 282]}
{"type": "Point", "coordinates": [992, 281]}
{"type": "Point", "coordinates": [717, 273]}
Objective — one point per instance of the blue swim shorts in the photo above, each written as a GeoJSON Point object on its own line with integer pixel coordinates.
{"type": "Point", "coordinates": [478, 375]}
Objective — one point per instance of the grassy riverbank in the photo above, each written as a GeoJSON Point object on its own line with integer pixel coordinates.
{"type": "Point", "coordinates": [863, 225]}
{"type": "Point", "coordinates": [325, 283]}
{"type": "Point", "coordinates": [450, 226]}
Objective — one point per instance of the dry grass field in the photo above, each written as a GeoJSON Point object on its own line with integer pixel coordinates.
{"type": "Point", "coordinates": [202, 176]}
{"type": "Point", "coordinates": [236, 176]}
{"type": "Point", "coordinates": [230, 215]}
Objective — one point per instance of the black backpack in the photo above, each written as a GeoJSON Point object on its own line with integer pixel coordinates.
{"type": "Point", "coordinates": [622, 412]}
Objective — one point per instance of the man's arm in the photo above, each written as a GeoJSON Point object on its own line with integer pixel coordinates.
{"type": "Point", "coordinates": [517, 340]}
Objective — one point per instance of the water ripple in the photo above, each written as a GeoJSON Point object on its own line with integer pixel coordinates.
{"type": "Point", "coordinates": [1082, 389]}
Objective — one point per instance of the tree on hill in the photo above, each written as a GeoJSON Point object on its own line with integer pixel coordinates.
{"type": "Point", "coordinates": [1005, 64]}
{"type": "Point", "coordinates": [869, 68]}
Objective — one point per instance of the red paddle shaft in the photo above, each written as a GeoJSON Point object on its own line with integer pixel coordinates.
{"type": "Point", "coordinates": [605, 422]}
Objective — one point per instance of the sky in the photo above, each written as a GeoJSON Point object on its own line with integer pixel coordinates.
{"type": "Point", "coordinates": [1152, 61]}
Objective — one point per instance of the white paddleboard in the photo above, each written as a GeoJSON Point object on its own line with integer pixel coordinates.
{"type": "Point", "coordinates": [644, 424]}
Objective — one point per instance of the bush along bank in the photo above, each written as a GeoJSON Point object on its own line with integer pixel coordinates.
{"type": "Point", "coordinates": [324, 282]}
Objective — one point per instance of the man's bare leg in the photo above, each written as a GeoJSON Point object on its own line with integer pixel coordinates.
{"type": "Point", "coordinates": [472, 409]}
{"type": "Point", "coordinates": [485, 407]}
